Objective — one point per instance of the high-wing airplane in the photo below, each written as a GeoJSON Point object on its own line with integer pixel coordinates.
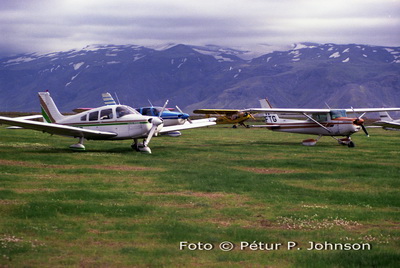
{"type": "Point", "coordinates": [111, 122]}
{"type": "Point", "coordinates": [321, 122]}
{"type": "Point", "coordinates": [227, 116]}
{"type": "Point", "coordinates": [387, 122]}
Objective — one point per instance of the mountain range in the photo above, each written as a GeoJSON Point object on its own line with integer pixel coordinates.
{"type": "Point", "coordinates": [192, 77]}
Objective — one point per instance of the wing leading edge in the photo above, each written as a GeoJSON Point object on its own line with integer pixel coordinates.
{"type": "Point", "coordinates": [195, 124]}
{"type": "Point", "coordinates": [316, 111]}
{"type": "Point", "coordinates": [216, 111]}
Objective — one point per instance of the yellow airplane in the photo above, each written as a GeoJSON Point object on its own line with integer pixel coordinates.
{"type": "Point", "coordinates": [227, 116]}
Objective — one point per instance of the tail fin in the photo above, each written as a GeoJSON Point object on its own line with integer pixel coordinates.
{"type": "Point", "coordinates": [269, 118]}
{"type": "Point", "coordinates": [385, 116]}
{"type": "Point", "coordinates": [50, 111]}
{"type": "Point", "coordinates": [265, 103]}
{"type": "Point", "coordinates": [108, 99]}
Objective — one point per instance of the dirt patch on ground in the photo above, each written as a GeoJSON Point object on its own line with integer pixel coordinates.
{"type": "Point", "coordinates": [189, 194]}
{"type": "Point", "coordinates": [267, 170]}
{"type": "Point", "coordinates": [40, 165]}
{"type": "Point", "coordinates": [123, 168]}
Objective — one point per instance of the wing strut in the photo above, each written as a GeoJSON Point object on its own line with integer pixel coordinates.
{"type": "Point", "coordinates": [315, 121]}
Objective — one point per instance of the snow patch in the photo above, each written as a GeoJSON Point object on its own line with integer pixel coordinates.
{"type": "Point", "coordinates": [78, 65]}
{"type": "Point", "coordinates": [20, 60]}
{"type": "Point", "coordinates": [335, 55]}
{"type": "Point", "coordinates": [236, 75]}
{"type": "Point", "coordinates": [138, 57]}
{"type": "Point", "coordinates": [183, 62]}
{"type": "Point", "coordinates": [222, 59]}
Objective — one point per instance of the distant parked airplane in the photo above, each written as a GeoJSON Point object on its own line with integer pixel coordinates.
{"type": "Point", "coordinates": [321, 122]}
{"type": "Point", "coordinates": [387, 122]}
{"type": "Point", "coordinates": [227, 116]}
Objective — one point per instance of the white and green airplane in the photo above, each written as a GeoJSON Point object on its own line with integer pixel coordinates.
{"type": "Point", "coordinates": [110, 122]}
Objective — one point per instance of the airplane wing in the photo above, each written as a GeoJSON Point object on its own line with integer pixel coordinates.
{"type": "Point", "coordinates": [195, 124]}
{"type": "Point", "coordinates": [216, 111]}
{"type": "Point", "coordinates": [316, 111]}
{"type": "Point", "coordinates": [387, 124]}
{"type": "Point", "coordinates": [56, 128]}
{"type": "Point", "coordinates": [371, 110]}
{"type": "Point", "coordinates": [286, 110]}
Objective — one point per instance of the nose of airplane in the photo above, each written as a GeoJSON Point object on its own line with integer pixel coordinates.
{"type": "Point", "coordinates": [183, 116]}
{"type": "Point", "coordinates": [155, 121]}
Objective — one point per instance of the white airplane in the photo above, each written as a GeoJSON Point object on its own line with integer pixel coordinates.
{"type": "Point", "coordinates": [321, 122]}
{"type": "Point", "coordinates": [111, 122]}
{"type": "Point", "coordinates": [387, 122]}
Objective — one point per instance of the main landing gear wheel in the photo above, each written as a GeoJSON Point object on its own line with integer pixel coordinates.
{"type": "Point", "coordinates": [346, 141]}
{"type": "Point", "coordinates": [351, 144]}
{"type": "Point", "coordinates": [78, 147]}
{"type": "Point", "coordinates": [139, 147]}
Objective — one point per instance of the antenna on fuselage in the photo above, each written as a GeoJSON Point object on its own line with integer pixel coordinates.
{"type": "Point", "coordinates": [116, 96]}
{"type": "Point", "coordinates": [327, 105]}
{"type": "Point", "coordinates": [151, 104]}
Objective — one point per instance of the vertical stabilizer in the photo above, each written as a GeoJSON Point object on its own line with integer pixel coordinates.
{"type": "Point", "coordinates": [269, 117]}
{"type": "Point", "coordinates": [108, 99]}
{"type": "Point", "coordinates": [265, 103]}
{"type": "Point", "coordinates": [50, 111]}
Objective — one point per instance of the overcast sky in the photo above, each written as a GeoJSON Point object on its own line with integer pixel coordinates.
{"type": "Point", "coordinates": [56, 25]}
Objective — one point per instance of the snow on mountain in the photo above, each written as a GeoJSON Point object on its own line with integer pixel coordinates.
{"type": "Point", "coordinates": [210, 76]}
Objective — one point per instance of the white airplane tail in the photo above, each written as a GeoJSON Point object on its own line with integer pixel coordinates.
{"type": "Point", "coordinates": [269, 118]}
{"type": "Point", "coordinates": [265, 103]}
{"type": "Point", "coordinates": [385, 116]}
{"type": "Point", "coordinates": [50, 111]}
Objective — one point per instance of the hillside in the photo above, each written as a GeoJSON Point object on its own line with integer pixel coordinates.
{"type": "Point", "coordinates": [205, 77]}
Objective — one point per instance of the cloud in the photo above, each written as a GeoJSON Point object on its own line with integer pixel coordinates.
{"type": "Point", "coordinates": [46, 25]}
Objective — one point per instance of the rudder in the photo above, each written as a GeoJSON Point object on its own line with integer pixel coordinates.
{"type": "Point", "coordinates": [49, 109]}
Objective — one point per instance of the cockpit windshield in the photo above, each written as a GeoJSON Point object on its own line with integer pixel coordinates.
{"type": "Point", "coordinates": [157, 111]}
{"type": "Point", "coordinates": [124, 110]}
{"type": "Point", "coordinates": [338, 113]}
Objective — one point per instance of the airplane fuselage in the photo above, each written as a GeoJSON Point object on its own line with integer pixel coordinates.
{"type": "Point", "coordinates": [170, 118]}
{"type": "Point", "coordinates": [334, 123]}
{"type": "Point", "coordinates": [123, 120]}
{"type": "Point", "coordinates": [336, 128]}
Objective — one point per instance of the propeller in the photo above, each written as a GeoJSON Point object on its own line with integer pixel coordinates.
{"type": "Point", "coordinates": [188, 119]}
{"type": "Point", "coordinates": [360, 122]}
{"type": "Point", "coordinates": [156, 121]}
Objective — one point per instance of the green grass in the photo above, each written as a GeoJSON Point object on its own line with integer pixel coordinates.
{"type": "Point", "coordinates": [112, 207]}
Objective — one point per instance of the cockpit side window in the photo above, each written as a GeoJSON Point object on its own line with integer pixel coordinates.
{"type": "Point", "coordinates": [124, 110]}
{"type": "Point", "coordinates": [84, 118]}
{"type": "Point", "coordinates": [106, 114]}
{"type": "Point", "coordinates": [93, 116]}
{"type": "Point", "coordinates": [146, 111]}
{"type": "Point", "coordinates": [338, 113]}
{"type": "Point", "coordinates": [320, 117]}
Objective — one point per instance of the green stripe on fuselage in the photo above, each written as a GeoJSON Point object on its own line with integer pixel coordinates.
{"type": "Point", "coordinates": [108, 124]}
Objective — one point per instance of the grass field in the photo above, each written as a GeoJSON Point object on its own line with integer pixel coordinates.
{"type": "Point", "coordinates": [112, 207]}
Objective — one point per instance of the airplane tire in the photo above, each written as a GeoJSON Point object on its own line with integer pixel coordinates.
{"type": "Point", "coordinates": [351, 144]}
